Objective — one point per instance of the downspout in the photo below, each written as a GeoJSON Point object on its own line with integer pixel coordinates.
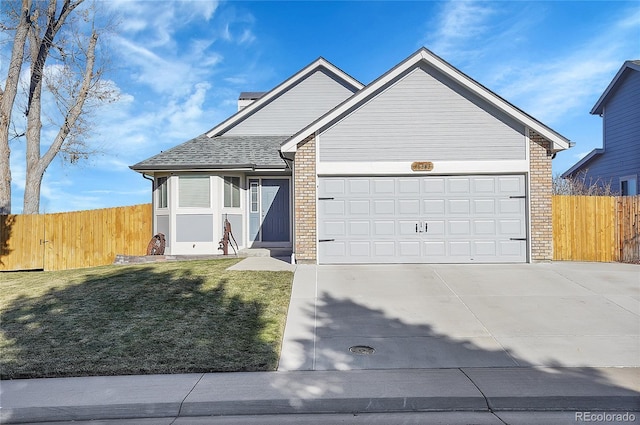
{"type": "Point", "coordinates": [153, 216]}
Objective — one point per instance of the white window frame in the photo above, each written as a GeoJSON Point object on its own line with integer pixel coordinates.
{"type": "Point", "coordinates": [238, 187]}
{"type": "Point", "coordinates": [162, 192]}
{"type": "Point", "coordinates": [632, 181]}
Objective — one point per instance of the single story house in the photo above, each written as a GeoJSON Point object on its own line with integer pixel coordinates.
{"type": "Point", "coordinates": [422, 165]}
{"type": "Point", "coordinates": [617, 163]}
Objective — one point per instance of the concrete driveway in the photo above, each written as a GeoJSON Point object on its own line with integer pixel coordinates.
{"type": "Point", "coordinates": [452, 316]}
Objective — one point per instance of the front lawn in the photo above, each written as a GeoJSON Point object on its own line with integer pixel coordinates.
{"type": "Point", "coordinates": [174, 317]}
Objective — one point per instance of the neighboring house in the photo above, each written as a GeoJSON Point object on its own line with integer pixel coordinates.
{"type": "Point", "coordinates": [617, 163]}
{"type": "Point", "coordinates": [422, 165]}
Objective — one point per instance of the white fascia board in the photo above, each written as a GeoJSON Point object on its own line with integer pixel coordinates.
{"type": "Point", "coordinates": [404, 168]}
{"type": "Point", "coordinates": [559, 142]}
{"type": "Point", "coordinates": [291, 81]}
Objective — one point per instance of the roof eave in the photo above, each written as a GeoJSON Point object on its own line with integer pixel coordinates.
{"type": "Point", "coordinates": [578, 165]}
{"type": "Point", "coordinates": [206, 167]}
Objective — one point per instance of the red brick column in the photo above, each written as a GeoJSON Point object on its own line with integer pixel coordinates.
{"type": "Point", "coordinates": [541, 192]}
{"type": "Point", "coordinates": [305, 201]}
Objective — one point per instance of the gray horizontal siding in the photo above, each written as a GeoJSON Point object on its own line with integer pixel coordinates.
{"type": "Point", "coordinates": [296, 108]}
{"type": "Point", "coordinates": [423, 116]}
{"type": "Point", "coordinates": [621, 135]}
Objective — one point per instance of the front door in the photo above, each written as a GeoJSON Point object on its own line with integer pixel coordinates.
{"type": "Point", "coordinates": [269, 216]}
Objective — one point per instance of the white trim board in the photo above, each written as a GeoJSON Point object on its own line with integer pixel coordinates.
{"type": "Point", "coordinates": [404, 168]}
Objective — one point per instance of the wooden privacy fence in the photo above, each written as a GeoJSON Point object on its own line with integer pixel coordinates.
{"type": "Point", "coordinates": [74, 239]}
{"type": "Point", "coordinates": [596, 228]}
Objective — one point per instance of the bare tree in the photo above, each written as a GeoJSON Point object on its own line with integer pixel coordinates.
{"type": "Point", "coordinates": [58, 41]}
{"type": "Point", "coordinates": [581, 184]}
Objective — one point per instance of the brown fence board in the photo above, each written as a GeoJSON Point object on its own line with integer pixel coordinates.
{"type": "Point", "coordinates": [596, 228]}
{"type": "Point", "coordinates": [629, 228]}
{"type": "Point", "coordinates": [74, 239]}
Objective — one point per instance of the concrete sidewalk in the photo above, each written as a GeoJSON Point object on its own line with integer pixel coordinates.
{"type": "Point", "coordinates": [306, 392]}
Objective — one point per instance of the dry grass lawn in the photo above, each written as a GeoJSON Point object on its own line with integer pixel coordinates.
{"type": "Point", "coordinates": [174, 317]}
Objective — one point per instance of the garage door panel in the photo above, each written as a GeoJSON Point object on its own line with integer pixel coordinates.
{"type": "Point", "coordinates": [384, 207]}
{"type": "Point", "coordinates": [434, 249]}
{"type": "Point", "coordinates": [484, 227]}
{"type": "Point", "coordinates": [409, 248]}
{"type": "Point", "coordinates": [460, 249]}
{"type": "Point", "coordinates": [484, 206]}
{"type": "Point", "coordinates": [511, 206]}
{"type": "Point", "coordinates": [360, 249]}
{"type": "Point", "coordinates": [359, 187]}
{"type": "Point", "coordinates": [431, 219]}
{"type": "Point", "coordinates": [409, 186]}
{"type": "Point", "coordinates": [384, 249]}
{"type": "Point", "coordinates": [359, 207]}
{"type": "Point", "coordinates": [360, 229]}
{"type": "Point", "coordinates": [384, 228]}
{"type": "Point", "coordinates": [511, 228]}
{"type": "Point", "coordinates": [435, 228]}
{"type": "Point", "coordinates": [512, 248]}
{"type": "Point", "coordinates": [408, 228]}
{"type": "Point", "coordinates": [383, 186]}
{"type": "Point", "coordinates": [459, 206]}
{"type": "Point", "coordinates": [484, 185]}
{"type": "Point", "coordinates": [485, 248]}
{"type": "Point", "coordinates": [333, 229]}
{"type": "Point", "coordinates": [433, 185]}
{"type": "Point", "coordinates": [332, 208]}
{"type": "Point", "coordinates": [511, 185]}
{"type": "Point", "coordinates": [459, 227]}
{"type": "Point", "coordinates": [433, 206]}
{"type": "Point", "coordinates": [409, 207]}
{"type": "Point", "coordinates": [333, 187]}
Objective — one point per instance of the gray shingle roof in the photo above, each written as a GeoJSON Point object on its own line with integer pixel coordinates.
{"type": "Point", "coordinates": [222, 152]}
{"type": "Point", "coordinates": [251, 95]}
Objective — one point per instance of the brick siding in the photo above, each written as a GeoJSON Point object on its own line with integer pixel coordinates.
{"type": "Point", "coordinates": [541, 194]}
{"type": "Point", "coordinates": [305, 201]}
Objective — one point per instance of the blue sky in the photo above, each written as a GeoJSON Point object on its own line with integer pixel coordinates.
{"type": "Point", "coordinates": [179, 67]}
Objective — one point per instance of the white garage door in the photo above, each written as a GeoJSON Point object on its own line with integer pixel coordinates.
{"type": "Point", "coordinates": [435, 219]}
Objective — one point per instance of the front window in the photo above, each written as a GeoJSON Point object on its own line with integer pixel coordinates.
{"type": "Point", "coordinates": [232, 192]}
{"type": "Point", "coordinates": [161, 192]}
{"type": "Point", "coordinates": [193, 191]}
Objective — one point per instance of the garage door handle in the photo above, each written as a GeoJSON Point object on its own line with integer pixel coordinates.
{"type": "Point", "coordinates": [518, 197]}
{"type": "Point", "coordinates": [517, 239]}
{"type": "Point", "coordinates": [326, 199]}
{"type": "Point", "coordinates": [326, 240]}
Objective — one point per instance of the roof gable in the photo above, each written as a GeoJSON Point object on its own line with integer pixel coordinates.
{"type": "Point", "coordinates": [312, 70]}
{"type": "Point", "coordinates": [627, 67]}
{"type": "Point", "coordinates": [424, 56]}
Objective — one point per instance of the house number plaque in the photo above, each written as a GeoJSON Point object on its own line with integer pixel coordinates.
{"type": "Point", "coordinates": [422, 166]}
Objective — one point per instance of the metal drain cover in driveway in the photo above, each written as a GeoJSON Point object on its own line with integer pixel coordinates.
{"type": "Point", "coordinates": [362, 350]}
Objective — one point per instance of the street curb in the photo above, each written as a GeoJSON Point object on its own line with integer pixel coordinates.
{"type": "Point", "coordinates": [358, 391]}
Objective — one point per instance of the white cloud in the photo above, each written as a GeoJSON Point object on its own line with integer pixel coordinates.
{"type": "Point", "coordinates": [486, 40]}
